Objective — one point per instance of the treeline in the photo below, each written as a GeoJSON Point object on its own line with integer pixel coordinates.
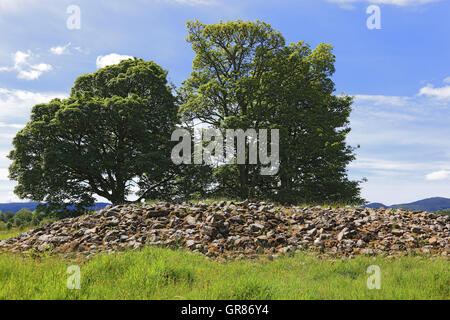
{"type": "Point", "coordinates": [112, 136]}
{"type": "Point", "coordinates": [23, 218]}
{"type": "Point", "coordinates": [445, 212]}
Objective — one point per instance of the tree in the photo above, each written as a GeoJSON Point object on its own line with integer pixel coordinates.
{"type": "Point", "coordinates": [314, 123]}
{"type": "Point", "coordinates": [111, 135]}
{"type": "Point", "coordinates": [23, 217]}
{"type": "Point", "coordinates": [230, 60]}
{"type": "Point", "coordinates": [6, 216]}
{"type": "Point", "coordinates": [245, 76]}
{"type": "Point", "coordinates": [35, 219]}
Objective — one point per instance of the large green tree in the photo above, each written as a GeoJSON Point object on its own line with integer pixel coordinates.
{"type": "Point", "coordinates": [109, 138]}
{"type": "Point", "coordinates": [313, 123]}
{"type": "Point", "coordinates": [245, 76]}
{"type": "Point", "coordinates": [230, 61]}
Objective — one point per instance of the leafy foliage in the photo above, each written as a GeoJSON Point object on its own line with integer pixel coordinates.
{"type": "Point", "coordinates": [245, 76]}
{"type": "Point", "coordinates": [444, 212]}
{"type": "Point", "coordinates": [111, 134]}
{"type": "Point", "coordinates": [22, 218]}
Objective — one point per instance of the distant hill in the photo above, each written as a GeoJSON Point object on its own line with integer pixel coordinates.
{"type": "Point", "coordinates": [430, 204]}
{"type": "Point", "coordinates": [17, 206]}
{"type": "Point", "coordinates": [375, 205]}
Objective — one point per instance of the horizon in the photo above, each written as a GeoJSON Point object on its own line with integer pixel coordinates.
{"type": "Point", "coordinates": [399, 74]}
{"type": "Point", "coordinates": [108, 203]}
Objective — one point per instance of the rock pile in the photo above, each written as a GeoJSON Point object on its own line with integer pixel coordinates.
{"type": "Point", "coordinates": [245, 229]}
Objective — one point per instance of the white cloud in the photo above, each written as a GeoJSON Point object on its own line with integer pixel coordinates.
{"type": "Point", "coordinates": [59, 50]}
{"type": "Point", "coordinates": [438, 175]}
{"type": "Point", "coordinates": [348, 4]}
{"type": "Point", "coordinates": [447, 80]}
{"type": "Point", "coordinates": [345, 4]}
{"type": "Point", "coordinates": [6, 193]}
{"type": "Point", "coordinates": [110, 59]}
{"type": "Point", "coordinates": [81, 50]}
{"type": "Point", "coordinates": [193, 2]}
{"type": "Point", "coordinates": [403, 2]}
{"type": "Point", "coordinates": [439, 93]}
{"type": "Point", "coordinates": [11, 125]}
{"type": "Point", "coordinates": [15, 5]}
{"type": "Point", "coordinates": [35, 72]}
{"type": "Point", "coordinates": [15, 105]}
{"type": "Point", "coordinates": [3, 174]}
{"type": "Point", "coordinates": [404, 145]}
{"type": "Point", "coordinates": [384, 164]}
{"type": "Point", "coordinates": [380, 100]}
{"type": "Point", "coordinates": [21, 57]}
{"type": "Point", "coordinates": [15, 109]}
{"type": "Point", "coordinates": [26, 70]}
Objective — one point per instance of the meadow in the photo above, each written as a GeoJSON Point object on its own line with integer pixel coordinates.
{"type": "Point", "coordinates": [159, 273]}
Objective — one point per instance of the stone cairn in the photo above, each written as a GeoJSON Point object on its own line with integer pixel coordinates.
{"type": "Point", "coordinates": [242, 230]}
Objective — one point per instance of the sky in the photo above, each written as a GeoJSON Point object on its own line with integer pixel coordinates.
{"type": "Point", "coordinates": [398, 72]}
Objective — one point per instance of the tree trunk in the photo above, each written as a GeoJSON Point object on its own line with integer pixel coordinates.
{"type": "Point", "coordinates": [118, 195]}
{"type": "Point", "coordinates": [243, 180]}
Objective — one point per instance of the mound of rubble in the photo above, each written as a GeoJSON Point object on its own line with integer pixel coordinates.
{"type": "Point", "coordinates": [245, 229]}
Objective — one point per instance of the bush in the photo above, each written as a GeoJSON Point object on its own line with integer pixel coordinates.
{"type": "Point", "coordinates": [445, 212]}
{"type": "Point", "coordinates": [23, 218]}
{"type": "Point", "coordinates": [35, 220]}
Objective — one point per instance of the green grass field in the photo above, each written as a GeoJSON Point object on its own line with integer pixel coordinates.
{"type": "Point", "coordinates": [6, 234]}
{"type": "Point", "coordinates": [156, 273]}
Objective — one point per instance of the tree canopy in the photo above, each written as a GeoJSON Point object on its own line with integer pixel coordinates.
{"type": "Point", "coordinates": [111, 135]}
{"type": "Point", "coordinates": [245, 76]}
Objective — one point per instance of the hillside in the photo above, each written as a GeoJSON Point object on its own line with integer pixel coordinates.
{"type": "Point", "coordinates": [376, 205]}
{"type": "Point", "coordinates": [430, 204]}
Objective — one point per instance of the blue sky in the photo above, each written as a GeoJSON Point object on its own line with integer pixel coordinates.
{"type": "Point", "coordinates": [399, 74]}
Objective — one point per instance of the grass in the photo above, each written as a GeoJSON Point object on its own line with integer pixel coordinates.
{"type": "Point", "coordinates": [13, 232]}
{"type": "Point", "coordinates": [156, 273]}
